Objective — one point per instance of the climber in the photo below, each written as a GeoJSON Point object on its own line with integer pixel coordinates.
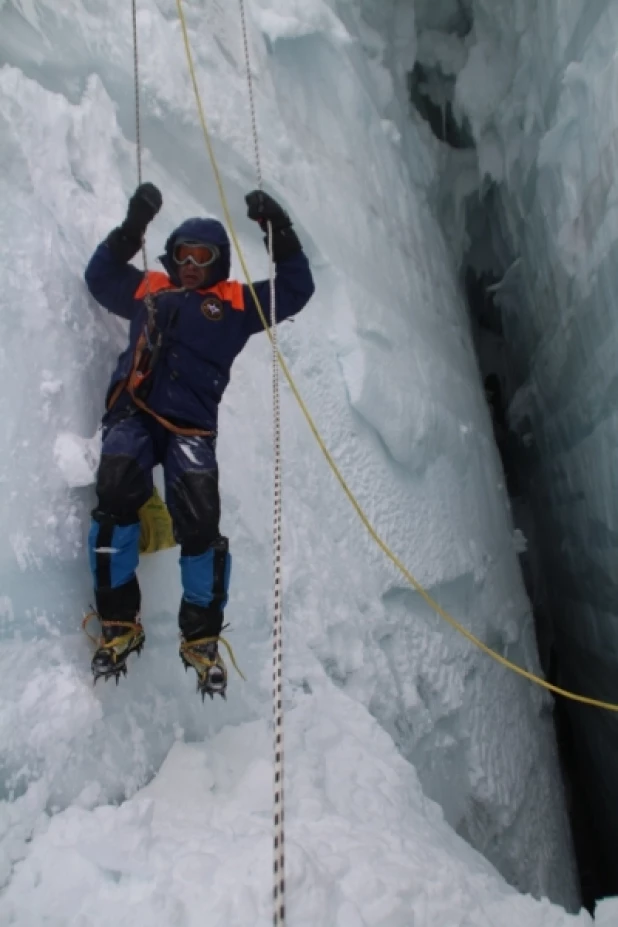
{"type": "Point", "coordinates": [186, 327]}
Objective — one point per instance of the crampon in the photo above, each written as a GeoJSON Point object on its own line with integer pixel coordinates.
{"type": "Point", "coordinates": [118, 639]}
{"type": "Point", "coordinates": [203, 656]}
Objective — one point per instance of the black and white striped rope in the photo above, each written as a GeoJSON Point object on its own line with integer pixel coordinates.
{"type": "Point", "coordinates": [138, 145]}
{"type": "Point", "coordinates": [278, 809]}
{"type": "Point", "coordinates": [245, 37]}
{"type": "Point", "coordinates": [279, 835]}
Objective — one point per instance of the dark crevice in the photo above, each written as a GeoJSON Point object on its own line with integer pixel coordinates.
{"type": "Point", "coordinates": [502, 372]}
{"type": "Point", "coordinates": [454, 19]}
{"type": "Point", "coordinates": [431, 90]}
{"type": "Point", "coordinates": [518, 455]}
{"type": "Point", "coordinates": [595, 880]}
{"type": "Point", "coordinates": [428, 85]}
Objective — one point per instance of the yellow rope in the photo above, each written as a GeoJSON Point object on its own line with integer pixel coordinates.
{"type": "Point", "coordinates": [557, 690]}
{"type": "Point", "coordinates": [133, 626]}
{"type": "Point", "coordinates": [188, 645]}
{"type": "Point", "coordinates": [86, 621]}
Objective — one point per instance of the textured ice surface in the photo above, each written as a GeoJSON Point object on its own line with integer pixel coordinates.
{"type": "Point", "coordinates": [546, 126]}
{"type": "Point", "coordinates": [388, 711]}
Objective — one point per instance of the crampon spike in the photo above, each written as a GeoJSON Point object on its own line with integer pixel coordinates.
{"type": "Point", "coordinates": [118, 640]}
{"type": "Point", "coordinates": [204, 691]}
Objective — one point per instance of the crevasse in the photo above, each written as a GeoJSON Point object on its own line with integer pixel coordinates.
{"type": "Point", "coordinates": [534, 87]}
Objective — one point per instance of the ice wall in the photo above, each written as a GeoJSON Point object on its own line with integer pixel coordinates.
{"type": "Point", "coordinates": [384, 358]}
{"type": "Point", "coordinates": [538, 90]}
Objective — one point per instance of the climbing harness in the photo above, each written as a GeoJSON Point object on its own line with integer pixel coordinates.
{"type": "Point", "coordinates": [435, 606]}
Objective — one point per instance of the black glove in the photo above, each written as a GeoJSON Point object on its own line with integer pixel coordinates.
{"type": "Point", "coordinates": [143, 207]}
{"type": "Point", "coordinates": [126, 240]}
{"type": "Point", "coordinates": [263, 209]}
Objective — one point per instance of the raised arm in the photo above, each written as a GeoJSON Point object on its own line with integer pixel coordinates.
{"type": "Point", "coordinates": [294, 285]}
{"type": "Point", "coordinates": [109, 276]}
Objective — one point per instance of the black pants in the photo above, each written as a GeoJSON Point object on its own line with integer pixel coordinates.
{"type": "Point", "coordinates": [132, 446]}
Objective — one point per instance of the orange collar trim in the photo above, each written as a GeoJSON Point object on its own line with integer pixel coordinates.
{"type": "Point", "coordinates": [228, 290]}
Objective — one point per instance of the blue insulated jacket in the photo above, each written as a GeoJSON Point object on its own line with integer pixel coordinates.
{"type": "Point", "coordinates": [202, 330]}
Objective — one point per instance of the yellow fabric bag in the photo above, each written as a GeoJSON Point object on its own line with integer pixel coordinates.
{"type": "Point", "coordinates": [156, 526]}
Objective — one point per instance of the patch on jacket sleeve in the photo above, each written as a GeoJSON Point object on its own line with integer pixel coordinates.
{"type": "Point", "coordinates": [212, 308]}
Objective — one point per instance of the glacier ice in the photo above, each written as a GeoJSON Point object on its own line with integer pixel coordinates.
{"type": "Point", "coordinates": [545, 129]}
{"type": "Point", "coordinates": [134, 804]}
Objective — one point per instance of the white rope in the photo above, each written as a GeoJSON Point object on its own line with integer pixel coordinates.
{"type": "Point", "coordinates": [278, 806]}
{"type": "Point", "coordinates": [279, 835]}
{"type": "Point", "coordinates": [251, 98]}
{"type": "Point", "coordinates": [138, 145]}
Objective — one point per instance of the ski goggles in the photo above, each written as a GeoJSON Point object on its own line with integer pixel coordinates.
{"type": "Point", "coordinates": [199, 255]}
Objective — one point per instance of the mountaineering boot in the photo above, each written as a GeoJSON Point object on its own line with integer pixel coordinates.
{"type": "Point", "coordinates": [117, 610]}
{"type": "Point", "coordinates": [118, 639]}
{"type": "Point", "coordinates": [203, 655]}
{"type": "Point", "coordinates": [200, 626]}
{"type": "Point", "coordinates": [205, 580]}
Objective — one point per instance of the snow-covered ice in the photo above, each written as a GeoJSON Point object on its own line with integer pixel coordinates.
{"type": "Point", "coordinates": [422, 781]}
{"type": "Point", "coordinates": [538, 89]}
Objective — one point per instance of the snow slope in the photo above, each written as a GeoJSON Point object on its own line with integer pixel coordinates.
{"type": "Point", "coordinates": [138, 804]}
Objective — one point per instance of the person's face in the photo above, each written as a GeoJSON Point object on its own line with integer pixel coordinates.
{"type": "Point", "coordinates": [192, 277]}
{"type": "Point", "coordinates": [193, 261]}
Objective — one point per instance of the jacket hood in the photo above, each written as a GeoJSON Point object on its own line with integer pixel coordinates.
{"type": "Point", "coordinates": [206, 232]}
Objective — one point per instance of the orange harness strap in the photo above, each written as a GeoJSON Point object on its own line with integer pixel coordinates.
{"type": "Point", "coordinates": [155, 282]}
{"type": "Point", "coordinates": [134, 379]}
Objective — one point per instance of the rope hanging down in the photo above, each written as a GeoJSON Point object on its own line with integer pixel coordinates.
{"type": "Point", "coordinates": [279, 836]}
{"type": "Point", "coordinates": [245, 38]}
{"type": "Point", "coordinates": [138, 130]}
{"type": "Point", "coordinates": [138, 150]}
{"type": "Point", "coordinates": [278, 796]}
{"type": "Point", "coordinates": [435, 606]}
